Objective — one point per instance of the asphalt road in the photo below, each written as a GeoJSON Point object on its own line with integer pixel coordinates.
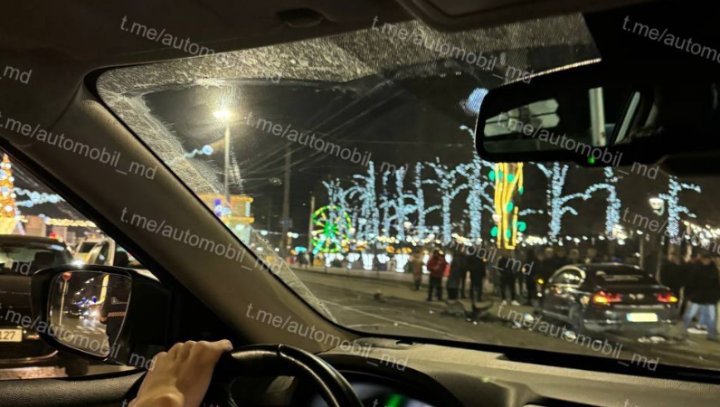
{"type": "Point", "coordinates": [393, 307]}
{"type": "Point", "coordinates": [376, 305]}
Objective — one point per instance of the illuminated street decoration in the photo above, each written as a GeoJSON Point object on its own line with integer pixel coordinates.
{"type": "Point", "coordinates": [368, 218]}
{"type": "Point", "coordinates": [331, 227]}
{"type": "Point", "coordinates": [8, 208]}
{"type": "Point", "coordinates": [509, 186]}
{"type": "Point", "coordinates": [68, 222]}
{"type": "Point", "coordinates": [558, 203]}
{"type": "Point", "coordinates": [478, 198]}
{"type": "Point", "coordinates": [421, 210]}
{"type": "Point", "coordinates": [612, 215]}
{"type": "Point", "coordinates": [674, 209]}
{"type": "Point", "coordinates": [448, 187]}
{"type": "Point", "coordinates": [205, 150]}
{"type": "Point", "coordinates": [35, 197]}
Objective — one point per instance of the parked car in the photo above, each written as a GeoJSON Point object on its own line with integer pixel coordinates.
{"type": "Point", "coordinates": [105, 251]}
{"type": "Point", "coordinates": [20, 257]}
{"type": "Point", "coordinates": [609, 296]}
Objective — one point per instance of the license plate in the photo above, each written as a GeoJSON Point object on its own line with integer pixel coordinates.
{"type": "Point", "coordinates": [10, 335]}
{"type": "Point", "coordinates": [642, 317]}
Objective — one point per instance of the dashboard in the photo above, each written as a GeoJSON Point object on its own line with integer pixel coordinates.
{"type": "Point", "coordinates": [449, 376]}
{"type": "Point", "coordinates": [375, 391]}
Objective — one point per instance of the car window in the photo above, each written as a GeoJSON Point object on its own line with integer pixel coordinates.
{"type": "Point", "coordinates": [86, 247]}
{"type": "Point", "coordinates": [36, 228]}
{"type": "Point", "coordinates": [346, 162]}
{"type": "Point", "coordinates": [572, 277]}
{"type": "Point", "coordinates": [619, 276]}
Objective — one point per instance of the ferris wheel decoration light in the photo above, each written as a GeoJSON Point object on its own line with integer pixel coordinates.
{"type": "Point", "coordinates": [331, 229]}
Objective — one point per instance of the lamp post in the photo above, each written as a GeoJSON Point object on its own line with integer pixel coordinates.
{"type": "Point", "coordinates": [224, 115]}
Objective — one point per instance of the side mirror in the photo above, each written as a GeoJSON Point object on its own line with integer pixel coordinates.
{"type": "Point", "coordinates": [105, 313]}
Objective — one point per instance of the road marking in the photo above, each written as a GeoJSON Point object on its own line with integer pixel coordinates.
{"type": "Point", "coordinates": [444, 333]}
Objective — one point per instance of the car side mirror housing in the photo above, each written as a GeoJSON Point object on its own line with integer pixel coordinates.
{"type": "Point", "coordinates": [105, 313]}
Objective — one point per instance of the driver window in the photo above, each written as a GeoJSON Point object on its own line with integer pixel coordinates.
{"type": "Point", "coordinates": [38, 229]}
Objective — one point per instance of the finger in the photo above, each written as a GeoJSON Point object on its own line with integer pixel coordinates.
{"type": "Point", "coordinates": [186, 350]}
{"type": "Point", "coordinates": [158, 359]}
{"type": "Point", "coordinates": [175, 351]}
{"type": "Point", "coordinates": [208, 353]}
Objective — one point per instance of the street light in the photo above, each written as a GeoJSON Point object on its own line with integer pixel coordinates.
{"type": "Point", "coordinates": [224, 115]}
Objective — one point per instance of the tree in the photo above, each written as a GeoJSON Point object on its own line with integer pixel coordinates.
{"type": "Point", "coordinates": [448, 186]}
{"type": "Point", "coordinates": [558, 202]}
{"type": "Point", "coordinates": [477, 193]}
{"type": "Point", "coordinates": [674, 209]}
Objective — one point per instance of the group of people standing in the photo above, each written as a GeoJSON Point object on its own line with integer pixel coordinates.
{"type": "Point", "coordinates": [458, 270]}
{"type": "Point", "coordinates": [697, 282]}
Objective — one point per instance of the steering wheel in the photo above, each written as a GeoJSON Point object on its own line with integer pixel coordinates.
{"type": "Point", "coordinates": [277, 360]}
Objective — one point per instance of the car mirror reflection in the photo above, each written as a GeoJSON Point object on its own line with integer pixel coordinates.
{"type": "Point", "coordinates": [86, 309]}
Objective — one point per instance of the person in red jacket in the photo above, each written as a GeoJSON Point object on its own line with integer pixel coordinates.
{"type": "Point", "coordinates": [436, 266]}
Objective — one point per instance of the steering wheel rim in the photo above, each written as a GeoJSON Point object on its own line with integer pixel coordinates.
{"type": "Point", "coordinates": [275, 359]}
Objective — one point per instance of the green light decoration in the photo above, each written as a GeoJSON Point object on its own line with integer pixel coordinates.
{"type": "Point", "coordinates": [494, 231]}
{"type": "Point", "coordinates": [521, 226]}
{"type": "Point", "coordinates": [395, 400]}
{"type": "Point", "coordinates": [331, 229]}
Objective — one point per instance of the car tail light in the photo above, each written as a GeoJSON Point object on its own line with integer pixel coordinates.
{"type": "Point", "coordinates": [668, 298]}
{"type": "Point", "coordinates": [601, 297]}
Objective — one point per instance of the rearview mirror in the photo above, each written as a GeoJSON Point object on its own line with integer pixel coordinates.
{"type": "Point", "coordinates": [105, 313]}
{"type": "Point", "coordinates": [595, 115]}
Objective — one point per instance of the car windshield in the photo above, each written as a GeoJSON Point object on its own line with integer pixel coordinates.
{"type": "Point", "coordinates": [348, 163]}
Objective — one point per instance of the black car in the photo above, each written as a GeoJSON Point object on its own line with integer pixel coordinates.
{"type": "Point", "coordinates": [608, 297]}
{"type": "Point", "coordinates": [20, 345]}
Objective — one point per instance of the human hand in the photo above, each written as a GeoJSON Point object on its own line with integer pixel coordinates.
{"type": "Point", "coordinates": [180, 377]}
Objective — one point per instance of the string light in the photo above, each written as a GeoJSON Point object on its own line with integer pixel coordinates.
{"type": "Point", "coordinates": [674, 209]}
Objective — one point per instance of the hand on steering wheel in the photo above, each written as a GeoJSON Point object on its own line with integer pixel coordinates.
{"type": "Point", "coordinates": [180, 377]}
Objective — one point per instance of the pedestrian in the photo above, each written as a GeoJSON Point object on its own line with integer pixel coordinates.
{"type": "Point", "coordinates": [671, 273]}
{"type": "Point", "coordinates": [476, 265]}
{"type": "Point", "coordinates": [457, 272]}
{"type": "Point", "coordinates": [703, 294]}
{"type": "Point", "coordinates": [574, 257]}
{"type": "Point", "coordinates": [436, 266]}
{"type": "Point", "coordinates": [592, 256]}
{"type": "Point", "coordinates": [530, 273]}
{"type": "Point", "coordinates": [561, 259]}
{"type": "Point", "coordinates": [507, 279]}
{"type": "Point", "coordinates": [392, 264]}
{"type": "Point", "coordinates": [415, 266]}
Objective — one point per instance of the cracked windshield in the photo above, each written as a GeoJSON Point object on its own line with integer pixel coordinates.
{"type": "Point", "coordinates": [348, 165]}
